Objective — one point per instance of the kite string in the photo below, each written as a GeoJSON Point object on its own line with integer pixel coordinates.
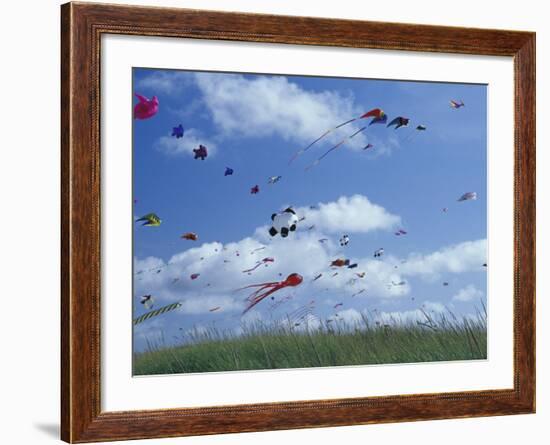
{"type": "Point", "coordinates": [303, 150]}
{"type": "Point", "coordinates": [335, 147]}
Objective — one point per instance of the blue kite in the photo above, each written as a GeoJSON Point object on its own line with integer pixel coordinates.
{"type": "Point", "coordinates": [178, 131]}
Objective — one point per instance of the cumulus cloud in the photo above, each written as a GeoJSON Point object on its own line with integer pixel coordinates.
{"type": "Point", "coordinates": [184, 146]}
{"type": "Point", "coordinates": [163, 81]}
{"type": "Point", "coordinates": [355, 214]}
{"type": "Point", "coordinates": [220, 266]}
{"type": "Point", "coordinates": [274, 105]}
{"type": "Point", "coordinates": [468, 293]}
{"type": "Point", "coordinates": [458, 258]}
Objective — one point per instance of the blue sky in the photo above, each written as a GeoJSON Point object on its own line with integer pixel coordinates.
{"type": "Point", "coordinates": [254, 124]}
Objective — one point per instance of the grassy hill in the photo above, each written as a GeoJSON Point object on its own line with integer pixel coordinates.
{"type": "Point", "coordinates": [336, 344]}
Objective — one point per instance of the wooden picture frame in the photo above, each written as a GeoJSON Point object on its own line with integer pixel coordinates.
{"type": "Point", "coordinates": [82, 26]}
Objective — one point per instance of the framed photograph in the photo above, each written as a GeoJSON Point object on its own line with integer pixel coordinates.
{"type": "Point", "coordinates": [275, 222]}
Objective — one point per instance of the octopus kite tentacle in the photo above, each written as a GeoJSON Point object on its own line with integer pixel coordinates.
{"type": "Point", "coordinates": [266, 289]}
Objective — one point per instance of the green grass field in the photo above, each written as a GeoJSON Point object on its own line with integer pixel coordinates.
{"type": "Point", "coordinates": [338, 344]}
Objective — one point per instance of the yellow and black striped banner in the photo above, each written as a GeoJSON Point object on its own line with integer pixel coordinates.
{"type": "Point", "coordinates": [156, 312]}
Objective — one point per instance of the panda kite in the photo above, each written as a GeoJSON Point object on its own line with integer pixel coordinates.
{"type": "Point", "coordinates": [283, 222]}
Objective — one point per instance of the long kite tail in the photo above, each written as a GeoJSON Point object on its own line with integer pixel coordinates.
{"type": "Point", "coordinates": [254, 300]}
{"type": "Point", "coordinates": [156, 312]}
{"type": "Point", "coordinates": [334, 147]}
{"type": "Point", "coordinates": [303, 150]}
{"type": "Point", "coordinates": [257, 285]}
{"type": "Point", "coordinates": [252, 268]}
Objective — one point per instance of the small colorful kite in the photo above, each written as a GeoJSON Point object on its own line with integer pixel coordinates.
{"type": "Point", "coordinates": [340, 262]}
{"type": "Point", "coordinates": [399, 121]}
{"type": "Point", "coordinates": [255, 189]}
{"type": "Point", "coordinates": [266, 289]}
{"type": "Point", "coordinates": [455, 104]}
{"type": "Point", "coordinates": [150, 219]}
{"type": "Point", "coordinates": [194, 276]}
{"type": "Point", "coordinates": [162, 310]}
{"type": "Point", "coordinates": [190, 236]}
{"type": "Point", "coordinates": [146, 108]}
{"type": "Point", "coordinates": [178, 131]}
{"type": "Point", "coordinates": [468, 196]}
{"type": "Point", "coordinates": [228, 171]}
{"type": "Point", "coordinates": [274, 179]}
{"type": "Point", "coordinates": [201, 152]}
{"type": "Point", "coordinates": [379, 120]}
{"type": "Point", "coordinates": [147, 301]}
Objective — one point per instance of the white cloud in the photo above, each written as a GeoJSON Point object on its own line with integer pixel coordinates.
{"type": "Point", "coordinates": [432, 306]}
{"type": "Point", "coordinates": [185, 145]}
{"type": "Point", "coordinates": [273, 105]}
{"type": "Point", "coordinates": [355, 214]}
{"type": "Point", "coordinates": [458, 258]}
{"type": "Point", "coordinates": [221, 268]}
{"type": "Point", "coordinates": [167, 82]}
{"type": "Point", "coordinates": [468, 293]}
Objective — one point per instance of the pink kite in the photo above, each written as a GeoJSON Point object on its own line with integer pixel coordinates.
{"type": "Point", "coordinates": [266, 289]}
{"type": "Point", "coordinates": [146, 108]}
{"type": "Point", "coordinates": [194, 276]}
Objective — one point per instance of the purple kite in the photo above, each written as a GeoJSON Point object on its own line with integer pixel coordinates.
{"type": "Point", "coordinates": [200, 152]}
{"type": "Point", "coordinates": [178, 131]}
{"type": "Point", "coordinates": [455, 104]}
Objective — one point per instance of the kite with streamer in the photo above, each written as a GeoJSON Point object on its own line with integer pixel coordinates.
{"type": "Point", "coordinates": [155, 313]}
{"type": "Point", "coordinates": [375, 113]}
{"type": "Point", "coordinates": [266, 289]}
